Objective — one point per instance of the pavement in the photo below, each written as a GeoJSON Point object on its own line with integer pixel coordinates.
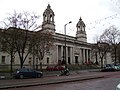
{"type": "Point", "coordinates": [50, 78]}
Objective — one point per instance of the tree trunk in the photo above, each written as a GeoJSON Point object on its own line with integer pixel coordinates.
{"type": "Point", "coordinates": [11, 64]}
{"type": "Point", "coordinates": [101, 63]}
{"type": "Point", "coordinates": [40, 66]}
{"type": "Point", "coordinates": [115, 56]}
{"type": "Point", "coordinates": [33, 61]}
{"type": "Point", "coordinates": [21, 65]}
{"type": "Point", "coordinates": [96, 58]}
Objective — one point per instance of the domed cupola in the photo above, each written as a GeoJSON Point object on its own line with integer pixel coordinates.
{"type": "Point", "coordinates": [48, 19]}
{"type": "Point", "coordinates": [48, 14]}
{"type": "Point", "coordinates": [81, 33]}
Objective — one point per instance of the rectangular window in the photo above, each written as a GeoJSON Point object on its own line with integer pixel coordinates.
{"type": "Point", "coordinates": [3, 59]}
{"type": "Point", "coordinates": [47, 60]}
{"type": "Point", "coordinates": [76, 59]}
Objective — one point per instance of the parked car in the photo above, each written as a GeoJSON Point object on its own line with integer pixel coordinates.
{"type": "Point", "coordinates": [27, 73]}
{"type": "Point", "coordinates": [110, 67]}
{"type": "Point", "coordinates": [55, 68]}
{"type": "Point", "coordinates": [118, 87]}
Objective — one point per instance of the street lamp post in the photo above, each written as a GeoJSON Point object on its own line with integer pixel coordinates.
{"type": "Point", "coordinates": [65, 42]}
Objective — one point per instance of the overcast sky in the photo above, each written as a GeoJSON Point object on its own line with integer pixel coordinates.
{"type": "Point", "coordinates": [96, 14]}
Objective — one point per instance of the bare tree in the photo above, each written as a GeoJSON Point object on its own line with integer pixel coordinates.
{"type": "Point", "coordinates": [22, 23]}
{"type": "Point", "coordinates": [8, 44]}
{"type": "Point", "coordinates": [118, 52]}
{"type": "Point", "coordinates": [24, 20]}
{"type": "Point", "coordinates": [111, 36]}
{"type": "Point", "coordinates": [43, 43]}
{"type": "Point", "coordinates": [103, 48]}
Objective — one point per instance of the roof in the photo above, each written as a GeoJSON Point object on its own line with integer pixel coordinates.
{"type": "Point", "coordinates": [48, 10]}
{"type": "Point", "coordinates": [80, 23]}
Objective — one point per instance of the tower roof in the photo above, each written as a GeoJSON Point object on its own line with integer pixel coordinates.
{"type": "Point", "coordinates": [80, 23]}
{"type": "Point", "coordinates": [48, 10]}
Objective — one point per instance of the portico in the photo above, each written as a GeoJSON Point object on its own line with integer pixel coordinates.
{"type": "Point", "coordinates": [73, 55]}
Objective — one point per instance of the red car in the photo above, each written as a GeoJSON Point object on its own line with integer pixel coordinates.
{"type": "Point", "coordinates": [55, 68]}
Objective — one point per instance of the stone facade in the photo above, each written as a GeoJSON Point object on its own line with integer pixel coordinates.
{"type": "Point", "coordinates": [78, 51]}
{"type": "Point", "coordinates": [77, 48]}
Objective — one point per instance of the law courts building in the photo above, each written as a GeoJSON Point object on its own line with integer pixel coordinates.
{"type": "Point", "coordinates": [76, 50]}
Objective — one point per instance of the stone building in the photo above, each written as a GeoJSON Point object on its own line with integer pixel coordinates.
{"type": "Point", "coordinates": [73, 50]}
{"type": "Point", "coordinates": [77, 48]}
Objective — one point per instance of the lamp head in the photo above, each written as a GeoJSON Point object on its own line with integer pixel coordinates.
{"type": "Point", "coordinates": [70, 22]}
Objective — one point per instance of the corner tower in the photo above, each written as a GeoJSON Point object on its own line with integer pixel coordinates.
{"type": "Point", "coordinates": [81, 33]}
{"type": "Point", "coordinates": [48, 20]}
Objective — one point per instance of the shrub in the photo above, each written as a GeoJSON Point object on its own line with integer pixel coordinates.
{"type": "Point", "coordinates": [82, 67]}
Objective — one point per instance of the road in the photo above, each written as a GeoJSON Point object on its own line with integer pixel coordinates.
{"type": "Point", "coordinates": [108, 83]}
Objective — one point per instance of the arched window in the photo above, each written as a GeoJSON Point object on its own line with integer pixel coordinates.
{"type": "Point", "coordinates": [78, 28]}
{"type": "Point", "coordinates": [45, 18]}
{"type": "Point", "coordinates": [81, 28]}
{"type": "Point", "coordinates": [51, 18]}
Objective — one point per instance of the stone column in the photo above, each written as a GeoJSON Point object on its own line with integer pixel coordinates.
{"type": "Point", "coordinates": [80, 56]}
{"type": "Point", "coordinates": [84, 55]}
{"type": "Point", "coordinates": [66, 54]}
{"type": "Point", "coordinates": [73, 50]}
{"type": "Point", "coordinates": [71, 55]}
{"type": "Point", "coordinates": [62, 52]}
{"type": "Point", "coordinates": [56, 54]}
{"type": "Point", "coordinates": [87, 55]}
{"type": "Point", "coordinates": [90, 54]}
